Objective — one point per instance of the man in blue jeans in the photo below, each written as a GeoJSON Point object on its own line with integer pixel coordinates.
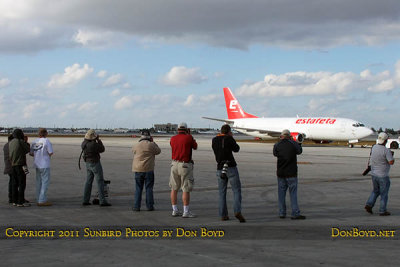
{"type": "Point", "coordinates": [144, 153]}
{"type": "Point", "coordinates": [223, 145]}
{"type": "Point", "coordinates": [380, 161]}
{"type": "Point", "coordinates": [286, 150]}
{"type": "Point", "coordinates": [92, 146]}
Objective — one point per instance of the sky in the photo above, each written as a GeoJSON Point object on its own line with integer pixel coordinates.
{"type": "Point", "coordinates": [132, 64]}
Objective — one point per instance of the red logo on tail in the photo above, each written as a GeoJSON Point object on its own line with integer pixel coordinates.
{"type": "Point", "coordinates": [233, 107]}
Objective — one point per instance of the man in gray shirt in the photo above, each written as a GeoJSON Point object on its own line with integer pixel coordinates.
{"type": "Point", "coordinates": [380, 161]}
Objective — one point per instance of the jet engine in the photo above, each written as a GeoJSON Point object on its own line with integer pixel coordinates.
{"type": "Point", "coordinates": [298, 137]}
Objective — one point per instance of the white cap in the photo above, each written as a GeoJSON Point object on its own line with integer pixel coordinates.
{"type": "Point", "coordinates": [382, 137]}
{"type": "Point", "coordinates": [285, 132]}
{"type": "Point", "coordinates": [182, 125]}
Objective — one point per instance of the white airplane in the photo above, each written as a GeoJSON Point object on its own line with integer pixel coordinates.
{"type": "Point", "coordinates": [318, 129]}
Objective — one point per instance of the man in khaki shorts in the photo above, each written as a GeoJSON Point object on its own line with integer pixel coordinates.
{"type": "Point", "coordinates": [182, 169]}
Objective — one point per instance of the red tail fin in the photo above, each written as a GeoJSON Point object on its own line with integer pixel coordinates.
{"type": "Point", "coordinates": [233, 107]}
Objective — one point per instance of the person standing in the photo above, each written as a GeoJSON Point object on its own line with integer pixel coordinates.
{"type": "Point", "coordinates": [92, 146]}
{"type": "Point", "coordinates": [380, 160]}
{"type": "Point", "coordinates": [182, 169]}
{"type": "Point", "coordinates": [42, 150]}
{"type": "Point", "coordinates": [144, 153]}
{"type": "Point", "coordinates": [8, 168]}
{"type": "Point", "coordinates": [223, 145]}
{"type": "Point", "coordinates": [286, 150]}
{"type": "Point", "coordinates": [18, 148]}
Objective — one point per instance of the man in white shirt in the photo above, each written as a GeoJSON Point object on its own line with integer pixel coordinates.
{"type": "Point", "coordinates": [380, 160]}
{"type": "Point", "coordinates": [42, 150]}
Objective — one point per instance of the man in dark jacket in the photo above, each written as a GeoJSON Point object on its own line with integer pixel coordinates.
{"type": "Point", "coordinates": [8, 168]}
{"type": "Point", "coordinates": [286, 150]}
{"type": "Point", "coordinates": [18, 148]}
{"type": "Point", "coordinates": [223, 145]}
{"type": "Point", "coordinates": [92, 146]}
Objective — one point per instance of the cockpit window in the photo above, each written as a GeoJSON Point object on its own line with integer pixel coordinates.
{"type": "Point", "coordinates": [358, 124]}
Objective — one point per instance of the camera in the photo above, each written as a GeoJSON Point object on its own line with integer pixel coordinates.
{"type": "Point", "coordinates": [25, 169]}
{"type": "Point", "coordinates": [224, 171]}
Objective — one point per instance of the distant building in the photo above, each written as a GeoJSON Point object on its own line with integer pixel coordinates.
{"type": "Point", "coordinates": [169, 127]}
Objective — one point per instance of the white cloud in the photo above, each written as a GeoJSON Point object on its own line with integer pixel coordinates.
{"type": "Point", "coordinates": [126, 102]}
{"type": "Point", "coordinates": [126, 85]}
{"type": "Point", "coordinates": [88, 106]}
{"type": "Point", "coordinates": [115, 92]}
{"type": "Point", "coordinates": [71, 76]}
{"type": "Point", "coordinates": [112, 80]}
{"type": "Point", "coordinates": [102, 74]}
{"type": "Point", "coordinates": [98, 39]}
{"type": "Point", "coordinates": [180, 76]}
{"type": "Point", "coordinates": [193, 100]}
{"type": "Point", "coordinates": [321, 83]}
{"type": "Point", "coordinates": [28, 110]}
{"type": "Point", "coordinates": [189, 100]}
{"type": "Point", "coordinates": [4, 82]}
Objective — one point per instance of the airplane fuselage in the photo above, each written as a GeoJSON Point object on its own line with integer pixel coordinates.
{"type": "Point", "coordinates": [314, 128]}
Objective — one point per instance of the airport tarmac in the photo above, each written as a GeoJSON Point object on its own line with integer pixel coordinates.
{"type": "Point", "coordinates": [332, 194]}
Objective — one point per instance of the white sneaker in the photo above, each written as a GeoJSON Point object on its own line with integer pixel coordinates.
{"type": "Point", "coordinates": [188, 215]}
{"type": "Point", "coordinates": [176, 213]}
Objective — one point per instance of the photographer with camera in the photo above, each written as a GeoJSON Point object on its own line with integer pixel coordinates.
{"type": "Point", "coordinates": [181, 176]}
{"type": "Point", "coordinates": [223, 145]}
{"type": "Point", "coordinates": [144, 153]}
{"type": "Point", "coordinates": [380, 160]}
{"type": "Point", "coordinates": [92, 146]}
{"type": "Point", "coordinates": [18, 148]}
{"type": "Point", "coordinates": [286, 150]}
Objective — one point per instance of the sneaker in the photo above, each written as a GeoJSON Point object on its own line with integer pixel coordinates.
{"type": "Point", "coordinates": [136, 209]}
{"type": "Point", "coordinates": [106, 204]}
{"type": "Point", "coordinates": [282, 216]}
{"type": "Point", "coordinates": [225, 218]}
{"type": "Point", "coordinates": [386, 213]}
{"type": "Point", "coordinates": [44, 204]}
{"type": "Point", "coordinates": [23, 205]}
{"type": "Point", "coordinates": [26, 201]}
{"type": "Point", "coordinates": [240, 217]}
{"type": "Point", "coordinates": [188, 215]}
{"type": "Point", "coordinates": [150, 209]}
{"type": "Point", "coordinates": [368, 209]}
{"type": "Point", "coordinates": [176, 213]}
{"type": "Point", "coordinates": [86, 204]}
{"type": "Point", "coordinates": [298, 217]}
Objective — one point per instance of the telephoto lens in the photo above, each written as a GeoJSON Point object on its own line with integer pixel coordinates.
{"type": "Point", "coordinates": [224, 171]}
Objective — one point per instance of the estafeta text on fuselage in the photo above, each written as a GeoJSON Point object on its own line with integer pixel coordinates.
{"type": "Point", "coordinates": [316, 121]}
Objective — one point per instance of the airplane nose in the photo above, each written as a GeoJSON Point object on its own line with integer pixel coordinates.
{"type": "Point", "coordinates": [368, 131]}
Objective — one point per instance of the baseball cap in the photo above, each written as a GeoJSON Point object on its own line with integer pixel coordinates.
{"type": "Point", "coordinates": [182, 125]}
{"type": "Point", "coordinates": [285, 132]}
{"type": "Point", "coordinates": [382, 137]}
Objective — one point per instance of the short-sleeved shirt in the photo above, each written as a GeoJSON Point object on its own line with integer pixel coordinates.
{"type": "Point", "coordinates": [41, 148]}
{"type": "Point", "coordinates": [182, 145]}
{"type": "Point", "coordinates": [379, 161]}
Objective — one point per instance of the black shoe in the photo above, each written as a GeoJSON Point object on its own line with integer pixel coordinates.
{"type": "Point", "coordinates": [86, 204]}
{"type": "Point", "coordinates": [225, 218]}
{"type": "Point", "coordinates": [135, 209]}
{"type": "Point", "coordinates": [368, 209]}
{"type": "Point", "coordinates": [151, 209]}
{"type": "Point", "coordinates": [26, 201]}
{"type": "Point", "coordinates": [386, 213]}
{"type": "Point", "coordinates": [298, 217]}
{"type": "Point", "coordinates": [240, 217]}
{"type": "Point", "coordinates": [105, 204]}
{"type": "Point", "coordinates": [282, 216]}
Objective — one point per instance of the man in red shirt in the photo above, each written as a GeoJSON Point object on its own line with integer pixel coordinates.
{"type": "Point", "coordinates": [182, 169]}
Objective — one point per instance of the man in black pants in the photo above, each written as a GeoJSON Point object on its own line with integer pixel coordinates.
{"type": "Point", "coordinates": [286, 150]}
{"type": "Point", "coordinates": [223, 145]}
{"type": "Point", "coordinates": [19, 147]}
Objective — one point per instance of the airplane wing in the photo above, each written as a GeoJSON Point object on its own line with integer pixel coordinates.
{"type": "Point", "coordinates": [261, 131]}
{"type": "Point", "coordinates": [214, 119]}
